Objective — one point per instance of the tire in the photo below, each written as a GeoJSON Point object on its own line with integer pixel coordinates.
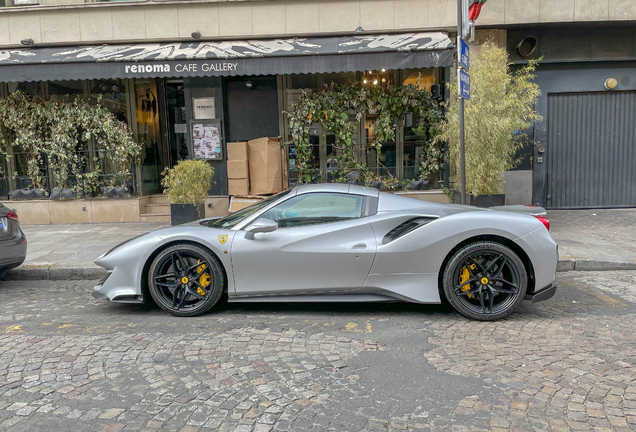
{"type": "Point", "coordinates": [188, 281]}
{"type": "Point", "coordinates": [485, 281]}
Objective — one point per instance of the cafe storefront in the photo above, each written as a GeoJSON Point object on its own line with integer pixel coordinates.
{"type": "Point", "coordinates": [163, 91]}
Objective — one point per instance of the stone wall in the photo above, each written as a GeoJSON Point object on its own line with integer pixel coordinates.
{"type": "Point", "coordinates": [63, 22]}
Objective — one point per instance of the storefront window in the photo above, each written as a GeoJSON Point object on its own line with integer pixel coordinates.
{"type": "Point", "coordinates": [339, 78]}
{"type": "Point", "coordinates": [33, 89]}
{"type": "Point", "coordinates": [385, 164]}
{"type": "Point", "coordinates": [413, 143]}
{"type": "Point", "coordinates": [115, 99]}
{"type": "Point", "coordinates": [428, 77]}
{"type": "Point", "coordinates": [381, 78]}
{"type": "Point", "coordinates": [399, 158]}
{"type": "Point", "coordinates": [324, 153]}
{"type": "Point", "coordinates": [18, 164]}
{"type": "Point", "coordinates": [304, 81]}
{"type": "Point", "coordinates": [65, 91]}
{"type": "Point", "coordinates": [114, 96]}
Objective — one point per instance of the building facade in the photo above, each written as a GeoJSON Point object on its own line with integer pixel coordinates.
{"type": "Point", "coordinates": [165, 66]}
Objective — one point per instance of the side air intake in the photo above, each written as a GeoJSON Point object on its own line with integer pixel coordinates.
{"type": "Point", "coordinates": [405, 228]}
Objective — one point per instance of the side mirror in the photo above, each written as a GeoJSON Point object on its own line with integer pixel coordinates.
{"type": "Point", "coordinates": [261, 225]}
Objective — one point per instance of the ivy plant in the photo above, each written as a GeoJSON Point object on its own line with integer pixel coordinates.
{"type": "Point", "coordinates": [60, 131]}
{"type": "Point", "coordinates": [341, 107]}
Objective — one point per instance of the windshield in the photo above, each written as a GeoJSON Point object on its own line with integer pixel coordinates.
{"type": "Point", "coordinates": [238, 217]}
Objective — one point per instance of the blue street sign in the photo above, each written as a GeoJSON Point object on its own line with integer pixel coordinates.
{"type": "Point", "coordinates": [464, 55]}
{"type": "Point", "coordinates": [464, 84]}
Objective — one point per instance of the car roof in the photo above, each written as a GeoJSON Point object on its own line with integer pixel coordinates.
{"type": "Point", "coordinates": [337, 188]}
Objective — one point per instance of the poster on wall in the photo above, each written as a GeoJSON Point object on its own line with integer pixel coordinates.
{"type": "Point", "coordinates": [203, 108]}
{"type": "Point", "coordinates": [206, 140]}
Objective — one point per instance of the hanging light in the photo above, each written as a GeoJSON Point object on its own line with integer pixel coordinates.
{"type": "Point", "coordinates": [383, 79]}
{"type": "Point", "coordinates": [375, 82]}
{"type": "Point", "coordinates": [383, 70]}
{"type": "Point", "coordinates": [364, 81]}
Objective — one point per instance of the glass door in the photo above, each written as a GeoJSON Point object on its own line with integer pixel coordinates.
{"type": "Point", "coordinates": [176, 118]}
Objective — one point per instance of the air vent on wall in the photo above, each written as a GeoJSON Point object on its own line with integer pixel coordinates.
{"type": "Point", "coordinates": [405, 228]}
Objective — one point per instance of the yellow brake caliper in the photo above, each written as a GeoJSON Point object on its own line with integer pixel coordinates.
{"type": "Point", "coordinates": [204, 280]}
{"type": "Point", "coordinates": [464, 275]}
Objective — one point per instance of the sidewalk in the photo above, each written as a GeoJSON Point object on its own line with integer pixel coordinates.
{"type": "Point", "coordinates": [595, 239]}
{"type": "Point", "coordinates": [67, 251]}
{"type": "Point", "coordinates": [588, 240]}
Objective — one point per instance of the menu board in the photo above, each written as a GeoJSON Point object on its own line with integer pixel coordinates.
{"type": "Point", "coordinates": [206, 140]}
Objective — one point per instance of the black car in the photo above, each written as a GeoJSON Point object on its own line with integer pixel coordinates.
{"type": "Point", "coordinates": [13, 243]}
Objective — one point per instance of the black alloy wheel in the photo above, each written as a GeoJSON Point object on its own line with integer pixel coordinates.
{"type": "Point", "coordinates": [186, 280]}
{"type": "Point", "coordinates": [485, 281]}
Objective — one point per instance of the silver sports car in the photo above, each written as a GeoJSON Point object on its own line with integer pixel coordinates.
{"type": "Point", "coordinates": [340, 243]}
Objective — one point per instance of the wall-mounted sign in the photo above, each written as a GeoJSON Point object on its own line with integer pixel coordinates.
{"type": "Point", "coordinates": [203, 108]}
{"type": "Point", "coordinates": [206, 139]}
{"type": "Point", "coordinates": [464, 55]}
{"type": "Point", "coordinates": [464, 84]}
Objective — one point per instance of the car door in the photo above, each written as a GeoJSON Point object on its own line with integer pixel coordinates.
{"type": "Point", "coordinates": [323, 244]}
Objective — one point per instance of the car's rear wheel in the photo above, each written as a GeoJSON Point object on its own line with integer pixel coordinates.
{"type": "Point", "coordinates": [485, 281]}
{"type": "Point", "coordinates": [186, 280]}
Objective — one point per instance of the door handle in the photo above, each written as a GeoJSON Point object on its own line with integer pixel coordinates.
{"type": "Point", "coordinates": [359, 246]}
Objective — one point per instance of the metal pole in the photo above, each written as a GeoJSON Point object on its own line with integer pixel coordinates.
{"type": "Point", "coordinates": [462, 150]}
{"type": "Point", "coordinates": [462, 147]}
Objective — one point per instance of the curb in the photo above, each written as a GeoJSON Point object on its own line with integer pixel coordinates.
{"type": "Point", "coordinates": [96, 273]}
{"type": "Point", "coordinates": [56, 273]}
{"type": "Point", "coordinates": [565, 265]}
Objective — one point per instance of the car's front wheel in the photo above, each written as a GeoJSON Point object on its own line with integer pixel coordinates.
{"type": "Point", "coordinates": [186, 280]}
{"type": "Point", "coordinates": [485, 281]}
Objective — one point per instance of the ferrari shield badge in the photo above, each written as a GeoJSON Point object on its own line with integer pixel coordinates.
{"type": "Point", "coordinates": [222, 239]}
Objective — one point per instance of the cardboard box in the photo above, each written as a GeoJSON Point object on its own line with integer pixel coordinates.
{"type": "Point", "coordinates": [240, 202]}
{"type": "Point", "coordinates": [265, 165]}
{"type": "Point", "coordinates": [238, 186]}
{"type": "Point", "coordinates": [237, 169]}
{"type": "Point", "coordinates": [237, 151]}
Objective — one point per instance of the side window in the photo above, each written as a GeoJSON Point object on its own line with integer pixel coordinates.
{"type": "Point", "coordinates": [315, 208]}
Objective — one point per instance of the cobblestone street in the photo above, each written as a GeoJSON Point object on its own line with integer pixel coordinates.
{"type": "Point", "coordinates": [69, 362]}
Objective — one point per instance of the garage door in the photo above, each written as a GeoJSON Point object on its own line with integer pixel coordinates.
{"type": "Point", "coordinates": [591, 151]}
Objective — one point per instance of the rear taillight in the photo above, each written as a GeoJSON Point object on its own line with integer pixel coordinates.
{"type": "Point", "coordinates": [12, 215]}
{"type": "Point", "coordinates": [544, 221]}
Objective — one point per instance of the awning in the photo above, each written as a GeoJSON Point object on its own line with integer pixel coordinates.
{"type": "Point", "coordinates": [255, 57]}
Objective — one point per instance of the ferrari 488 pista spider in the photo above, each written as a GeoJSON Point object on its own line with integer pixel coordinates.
{"type": "Point", "coordinates": [341, 243]}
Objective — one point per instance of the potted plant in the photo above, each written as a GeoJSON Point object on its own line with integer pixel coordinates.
{"type": "Point", "coordinates": [187, 186]}
{"type": "Point", "coordinates": [501, 105]}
